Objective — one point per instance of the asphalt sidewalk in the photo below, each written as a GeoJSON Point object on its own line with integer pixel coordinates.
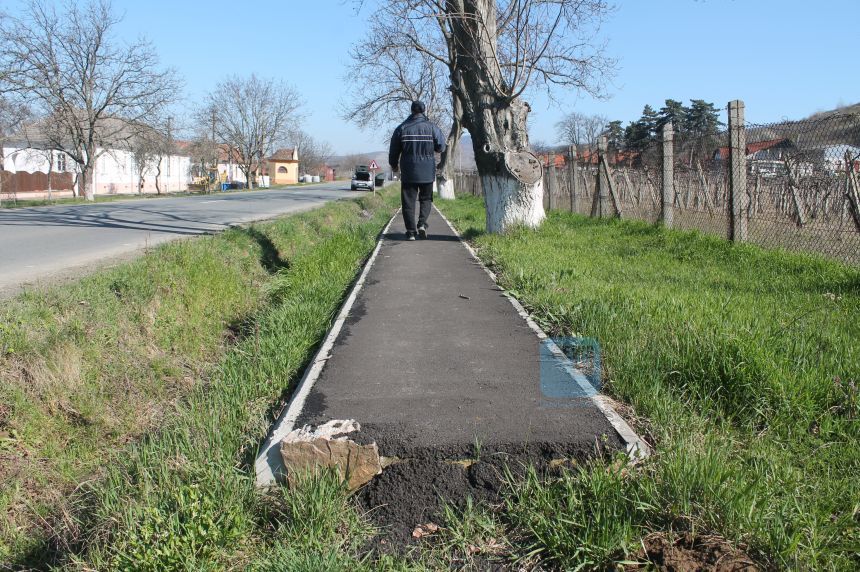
{"type": "Point", "coordinates": [433, 359]}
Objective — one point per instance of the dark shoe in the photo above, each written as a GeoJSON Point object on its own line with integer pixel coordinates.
{"type": "Point", "coordinates": [422, 232]}
{"type": "Point", "coordinates": [410, 236]}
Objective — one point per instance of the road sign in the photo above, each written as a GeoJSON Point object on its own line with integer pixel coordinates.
{"type": "Point", "coordinates": [373, 166]}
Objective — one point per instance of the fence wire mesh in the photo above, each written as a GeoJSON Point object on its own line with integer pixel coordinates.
{"type": "Point", "coordinates": [799, 189]}
{"type": "Point", "coordinates": [802, 186]}
{"type": "Point", "coordinates": [702, 199]}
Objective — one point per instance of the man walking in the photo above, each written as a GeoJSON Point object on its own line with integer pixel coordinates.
{"type": "Point", "coordinates": [413, 147]}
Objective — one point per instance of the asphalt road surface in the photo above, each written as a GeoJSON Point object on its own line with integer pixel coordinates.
{"type": "Point", "coordinates": [46, 243]}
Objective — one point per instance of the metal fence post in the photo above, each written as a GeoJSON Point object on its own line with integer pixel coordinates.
{"type": "Point", "coordinates": [667, 208]}
{"type": "Point", "coordinates": [572, 170]}
{"type": "Point", "coordinates": [738, 230]}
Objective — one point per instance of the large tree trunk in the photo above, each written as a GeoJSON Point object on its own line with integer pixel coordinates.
{"type": "Point", "coordinates": [447, 165]}
{"type": "Point", "coordinates": [496, 122]}
{"type": "Point", "coordinates": [87, 181]}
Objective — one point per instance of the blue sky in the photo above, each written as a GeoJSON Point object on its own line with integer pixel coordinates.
{"type": "Point", "coordinates": [784, 58]}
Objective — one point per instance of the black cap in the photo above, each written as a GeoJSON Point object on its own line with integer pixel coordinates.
{"type": "Point", "coordinates": [418, 107]}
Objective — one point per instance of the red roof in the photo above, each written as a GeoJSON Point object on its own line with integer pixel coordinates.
{"type": "Point", "coordinates": [591, 156]}
{"type": "Point", "coordinates": [282, 155]}
{"type": "Point", "coordinates": [559, 159]}
{"type": "Point", "coordinates": [223, 156]}
{"type": "Point", "coordinates": [753, 148]}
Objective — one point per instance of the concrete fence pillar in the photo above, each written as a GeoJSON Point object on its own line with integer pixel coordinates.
{"type": "Point", "coordinates": [667, 203]}
{"type": "Point", "coordinates": [602, 178]}
{"type": "Point", "coordinates": [738, 227]}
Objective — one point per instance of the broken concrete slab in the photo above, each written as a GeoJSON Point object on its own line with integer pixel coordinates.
{"type": "Point", "coordinates": [328, 445]}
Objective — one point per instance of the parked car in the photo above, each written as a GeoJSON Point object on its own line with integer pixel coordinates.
{"type": "Point", "coordinates": [361, 179]}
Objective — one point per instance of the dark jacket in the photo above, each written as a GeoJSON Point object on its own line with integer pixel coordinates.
{"type": "Point", "coordinates": [412, 149]}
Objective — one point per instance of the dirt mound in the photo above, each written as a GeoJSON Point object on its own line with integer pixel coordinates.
{"type": "Point", "coordinates": [688, 553]}
{"type": "Point", "coordinates": [411, 493]}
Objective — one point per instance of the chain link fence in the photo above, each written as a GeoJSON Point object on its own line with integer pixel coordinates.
{"type": "Point", "coordinates": [802, 190]}
{"type": "Point", "coordinates": [790, 185]}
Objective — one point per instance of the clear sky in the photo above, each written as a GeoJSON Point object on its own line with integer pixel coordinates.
{"type": "Point", "coordinates": [785, 58]}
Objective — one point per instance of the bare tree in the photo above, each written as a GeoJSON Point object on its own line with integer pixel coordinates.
{"type": "Point", "coordinates": [13, 114]}
{"type": "Point", "coordinates": [347, 163]}
{"type": "Point", "coordinates": [252, 115]}
{"type": "Point", "coordinates": [413, 59]}
{"type": "Point", "coordinates": [203, 147]}
{"type": "Point", "coordinates": [90, 90]}
{"type": "Point", "coordinates": [149, 148]}
{"type": "Point", "coordinates": [580, 129]}
{"type": "Point", "coordinates": [314, 155]}
{"type": "Point", "coordinates": [498, 50]}
{"type": "Point", "coordinates": [398, 76]}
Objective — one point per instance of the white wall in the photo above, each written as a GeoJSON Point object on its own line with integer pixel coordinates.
{"type": "Point", "coordinates": [234, 173]}
{"type": "Point", "coordinates": [115, 171]}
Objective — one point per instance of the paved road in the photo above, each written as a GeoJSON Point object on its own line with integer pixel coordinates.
{"type": "Point", "coordinates": [46, 242]}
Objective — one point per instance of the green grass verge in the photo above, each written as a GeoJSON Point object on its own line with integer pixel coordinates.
{"type": "Point", "coordinates": [744, 361]}
{"type": "Point", "coordinates": [133, 400]}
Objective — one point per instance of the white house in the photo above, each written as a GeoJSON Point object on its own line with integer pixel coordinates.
{"type": "Point", "coordinates": [115, 172]}
{"type": "Point", "coordinates": [34, 172]}
{"type": "Point", "coordinates": [834, 157]}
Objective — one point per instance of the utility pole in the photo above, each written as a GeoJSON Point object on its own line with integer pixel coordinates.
{"type": "Point", "coordinates": [169, 153]}
{"type": "Point", "coordinates": [214, 150]}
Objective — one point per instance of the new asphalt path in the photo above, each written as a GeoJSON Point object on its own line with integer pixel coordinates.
{"type": "Point", "coordinates": [434, 361]}
{"type": "Point", "coordinates": [44, 243]}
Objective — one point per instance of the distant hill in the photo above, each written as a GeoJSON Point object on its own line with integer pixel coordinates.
{"type": "Point", "coordinates": [840, 126]}
{"type": "Point", "coordinates": [845, 109]}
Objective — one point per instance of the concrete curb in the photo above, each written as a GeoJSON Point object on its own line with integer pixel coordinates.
{"type": "Point", "coordinates": [637, 449]}
{"type": "Point", "coordinates": [268, 465]}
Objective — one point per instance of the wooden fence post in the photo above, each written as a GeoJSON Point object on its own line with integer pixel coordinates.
{"type": "Point", "coordinates": [738, 230]}
{"type": "Point", "coordinates": [667, 208]}
{"type": "Point", "coordinates": [572, 171]}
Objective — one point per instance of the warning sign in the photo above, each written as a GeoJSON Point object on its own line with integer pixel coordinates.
{"type": "Point", "coordinates": [373, 166]}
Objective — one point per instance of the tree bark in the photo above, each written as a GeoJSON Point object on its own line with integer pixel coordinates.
{"type": "Point", "coordinates": [496, 121]}
{"type": "Point", "coordinates": [87, 180]}
{"type": "Point", "coordinates": [447, 168]}
{"type": "Point", "coordinates": [158, 178]}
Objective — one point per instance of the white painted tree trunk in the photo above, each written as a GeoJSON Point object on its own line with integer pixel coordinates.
{"type": "Point", "coordinates": [91, 188]}
{"type": "Point", "coordinates": [510, 203]}
{"type": "Point", "coordinates": [445, 187]}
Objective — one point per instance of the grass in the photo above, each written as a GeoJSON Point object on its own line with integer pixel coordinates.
{"type": "Point", "coordinates": [133, 400]}
{"type": "Point", "coordinates": [743, 362]}
{"type": "Point", "coordinates": [143, 407]}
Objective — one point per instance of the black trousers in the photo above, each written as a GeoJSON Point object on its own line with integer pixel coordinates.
{"type": "Point", "coordinates": [408, 193]}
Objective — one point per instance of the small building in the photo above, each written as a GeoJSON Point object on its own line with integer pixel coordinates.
{"type": "Point", "coordinates": [770, 158]}
{"type": "Point", "coordinates": [229, 161]}
{"type": "Point", "coordinates": [835, 158]}
{"type": "Point", "coordinates": [283, 167]}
